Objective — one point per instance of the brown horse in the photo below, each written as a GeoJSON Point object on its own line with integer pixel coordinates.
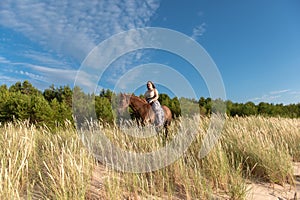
{"type": "Point", "coordinates": [143, 110]}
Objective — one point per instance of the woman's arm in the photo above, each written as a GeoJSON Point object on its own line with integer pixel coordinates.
{"type": "Point", "coordinates": [155, 96]}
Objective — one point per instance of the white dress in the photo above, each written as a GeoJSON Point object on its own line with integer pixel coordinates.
{"type": "Point", "coordinates": [156, 107]}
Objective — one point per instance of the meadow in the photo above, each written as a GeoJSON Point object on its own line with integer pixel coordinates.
{"type": "Point", "coordinates": [39, 163]}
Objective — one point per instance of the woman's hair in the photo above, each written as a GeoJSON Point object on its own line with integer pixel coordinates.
{"type": "Point", "coordinates": [151, 84]}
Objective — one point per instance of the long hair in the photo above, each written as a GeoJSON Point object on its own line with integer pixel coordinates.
{"type": "Point", "coordinates": [151, 84]}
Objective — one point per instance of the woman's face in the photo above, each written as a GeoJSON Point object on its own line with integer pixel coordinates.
{"type": "Point", "coordinates": [149, 86]}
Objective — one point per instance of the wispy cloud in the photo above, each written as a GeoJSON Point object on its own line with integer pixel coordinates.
{"type": "Point", "coordinates": [280, 91]}
{"type": "Point", "coordinates": [43, 76]}
{"type": "Point", "coordinates": [67, 30]}
{"type": "Point", "coordinates": [285, 96]}
{"type": "Point", "coordinates": [28, 74]}
{"type": "Point", "coordinates": [295, 92]}
{"type": "Point", "coordinates": [7, 79]}
{"type": "Point", "coordinates": [73, 28]}
{"type": "Point", "coordinates": [3, 60]}
{"type": "Point", "coordinates": [198, 31]}
{"type": "Point", "coordinates": [47, 59]}
{"type": "Point", "coordinates": [265, 98]}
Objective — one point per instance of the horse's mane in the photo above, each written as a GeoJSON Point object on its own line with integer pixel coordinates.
{"type": "Point", "coordinates": [139, 98]}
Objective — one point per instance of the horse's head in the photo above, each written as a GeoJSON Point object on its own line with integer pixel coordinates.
{"type": "Point", "coordinates": [124, 101]}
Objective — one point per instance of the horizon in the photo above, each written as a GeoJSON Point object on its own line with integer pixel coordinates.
{"type": "Point", "coordinates": [139, 92]}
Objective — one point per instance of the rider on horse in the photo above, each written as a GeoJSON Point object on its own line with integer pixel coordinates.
{"type": "Point", "coordinates": [151, 96]}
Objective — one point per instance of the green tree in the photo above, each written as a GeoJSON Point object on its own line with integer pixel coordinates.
{"type": "Point", "coordinates": [25, 88]}
{"type": "Point", "coordinates": [208, 105]}
{"type": "Point", "coordinates": [229, 106]}
{"type": "Point", "coordinates": [83, 106]}
{"type": "Point", "coordinates": [60, 112]}
{"type": "Point", "coordinates": [189, 107]}
{"type": "Point", "coordinates": [39, 110]}
{"type": "Point", "coordinates": [4, 97]}
{"type": "Point", "coordinates": [103, 109]}
{"type": "Point", "coordinates": [218, 106]}
{"type": "Point", "coordinates": [16, 87]}
{"type": "Point", "coordinates": [248, 109]}
{"type": "Point", "coordinates": [17, 106]}
{"type": "Point", "coordinates": [164, 99]}
{"type": "Point", "coordinates": [50, 93]}
{"type": "Point", "coordinates": [236, 109]}
{"type": "Point", "coordinates": [172, 104]}
{"type": "Point", "coordinates": [175, 107]}
{"type": "Point", "coordinates": [202, 106]}
{"type": "Point", "coordinates": [106, 93]}
{"type": "Point", "coordinates": [66, 95]}
{"type": "Point", "coordinates": [264, 108]}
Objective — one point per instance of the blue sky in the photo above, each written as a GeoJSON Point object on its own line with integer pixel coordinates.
{"type": "Point", "coordinates": [254, 44]}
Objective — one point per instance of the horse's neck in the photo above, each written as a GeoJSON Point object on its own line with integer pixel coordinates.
{"type": "Point", "coordinates": [136, 103]}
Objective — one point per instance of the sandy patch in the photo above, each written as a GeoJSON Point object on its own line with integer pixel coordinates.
{"type": "Point", "coordinates": [266, 191]}
{"type": "Point", "coordinates": [257, 191]}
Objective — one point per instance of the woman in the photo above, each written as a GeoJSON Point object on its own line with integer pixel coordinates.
{"type": "Point", "coordinates": [151, 96]}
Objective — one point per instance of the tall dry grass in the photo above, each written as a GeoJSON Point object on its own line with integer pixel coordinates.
{"type": "Point", "coordinates": [254, 147]}
{"type": "Point", "coordinates": [37, 163]}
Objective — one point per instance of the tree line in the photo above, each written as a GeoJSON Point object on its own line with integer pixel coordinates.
{"type": "Point", "coordinates": [53, 106]}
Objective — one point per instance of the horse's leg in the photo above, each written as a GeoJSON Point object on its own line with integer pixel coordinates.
{"type": "Point", "coordinates": [166, 126]}
{"type": "Point", "coordinates": [143, 122]}
{"type": "Point", "coordinates": [167, 122]}
{"type": "Point", "coordinates": [138, 122]}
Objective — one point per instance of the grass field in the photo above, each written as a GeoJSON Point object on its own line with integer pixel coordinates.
{"type": "Point", "coordinates": [37, 163]}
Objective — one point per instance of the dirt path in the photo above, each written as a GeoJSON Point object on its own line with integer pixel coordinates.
{"type": "Point", "coordinates": [96, 189]}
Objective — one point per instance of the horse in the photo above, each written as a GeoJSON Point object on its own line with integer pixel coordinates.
{"type": "Point", "coordinates": [143, 110]}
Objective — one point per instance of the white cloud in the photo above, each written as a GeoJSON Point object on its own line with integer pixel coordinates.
{"type": "Point", "coordinates": [46, 59]}
{"type": "Point", "coordinates": [37, 73]}
{"type": "Point", "coordinates": [280, 91]}
{"type": "Point", "coordinates": [29, 75]}
{"type": "Point", "coordinates": [68, 30]}
{"type": "Point", "coordinates": [64, 76]}
{"type": "Point", "coordinates": [3, 60]}
{"type": "Point", "coordinates": [198, 31]}
{"type": "Point", "coordinates": [266, 98]}
{"type": "Point", "coordinates": [295, 92]}
{"type": "Point", "coordinates": [73, 28]}
{"type": "Point", "coordinates": [286, 96]}
{"type": "Point", "coordinates": [7, 79]}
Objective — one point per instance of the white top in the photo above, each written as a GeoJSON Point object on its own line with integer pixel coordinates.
{"type": "Point", "coordinates": [149, 94]}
